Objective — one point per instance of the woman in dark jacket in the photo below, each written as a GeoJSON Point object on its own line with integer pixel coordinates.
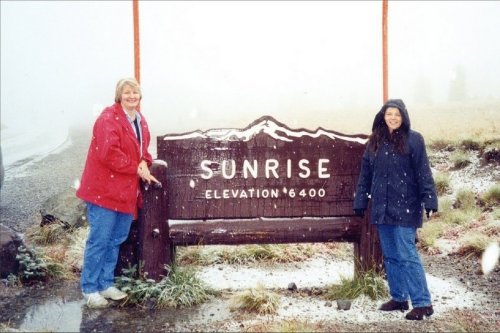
{"type": "Point", "coordinates": [395, 174]}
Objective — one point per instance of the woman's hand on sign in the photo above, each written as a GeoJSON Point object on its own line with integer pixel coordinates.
{"type": "Point", "coordinates": [145, 174]}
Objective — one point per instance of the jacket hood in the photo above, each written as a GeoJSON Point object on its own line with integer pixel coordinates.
{"type": "Point", "coordinates": [396, 103]}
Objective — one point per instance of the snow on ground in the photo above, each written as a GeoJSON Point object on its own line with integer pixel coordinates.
{"type": "Point", "coordinates": [447, 294]}
{"type": "Point", "coordinates": [322, 273]}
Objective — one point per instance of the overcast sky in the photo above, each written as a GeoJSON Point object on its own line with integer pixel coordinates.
{"type": "Point", "coordinates": [223, 64]}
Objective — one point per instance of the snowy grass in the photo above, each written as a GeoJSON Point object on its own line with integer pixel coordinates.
{"type": "Point", "coordinates": [429, 234]}
{"type": "Point", "coordinates": [207, 255]}
{"type": "Point", "coordinates": [474, 244]}
{"type": "Point", "coordinates": [491, 197]}
{"type": "Point", "coordinates": [371, 284]}
{"type": "Point", "coordinates": [258, 300]}
{"type": "Point", "coordinates": [181, 288]}
{"type": "Point", "coordinates": [460, 159]}
{"type": "Point", "coordinates": [465, 199]}
{"type": "Point", "coordinates": [442, 182]}
{"type": "Point", "coordinates": [48, 234]}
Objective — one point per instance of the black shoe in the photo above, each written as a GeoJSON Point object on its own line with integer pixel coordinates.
{"type": "Point", "coordinates": [419, 313]}
{"type": "Point", "coordinates": [393, 305]}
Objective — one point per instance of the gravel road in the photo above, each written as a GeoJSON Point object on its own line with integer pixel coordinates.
{"type": "Point", "coordinates": [29, 183]}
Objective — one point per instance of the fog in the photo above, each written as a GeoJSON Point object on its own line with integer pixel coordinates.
{"type": "Point", "coordinates": [224, 64]}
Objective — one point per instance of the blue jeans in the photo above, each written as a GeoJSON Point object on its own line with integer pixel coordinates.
{"type": "Point", "coordinates": [402, 264]}
{"type": "Point", "coordinates": [108, 229]}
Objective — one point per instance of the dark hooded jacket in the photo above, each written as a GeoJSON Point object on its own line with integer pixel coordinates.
{"type": "Point", "coordinates": [399, 184]}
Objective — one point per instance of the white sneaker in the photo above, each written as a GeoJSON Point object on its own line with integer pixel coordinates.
{"type": "Point", "coordinates": [95, 300]}
{"type": "Point", "coordinates": [113, 293]}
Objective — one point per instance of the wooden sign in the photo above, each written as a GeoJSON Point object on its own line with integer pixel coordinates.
{"type": "Point", "coordinates": [263, 170]}
{"type": "Point", "coordinates": [264, 184]}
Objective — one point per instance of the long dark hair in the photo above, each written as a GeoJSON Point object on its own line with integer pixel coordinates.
{"type": "Point", "coordinates": [381, 134]}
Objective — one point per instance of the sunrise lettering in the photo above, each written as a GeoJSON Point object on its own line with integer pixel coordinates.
{"type": "Point", "coordinates": [270, 168]}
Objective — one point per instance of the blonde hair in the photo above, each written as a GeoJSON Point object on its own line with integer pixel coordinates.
{"type": "Point", "coordinates": [122, 83]}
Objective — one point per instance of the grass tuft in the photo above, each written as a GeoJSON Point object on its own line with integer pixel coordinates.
{"type": "Point", "coordinates": [48, 234]}
{"type": "Point", "coordinates": [180, 288]}
{"type": "Point", "coordinates": [461, 217]}
{"type": "Point", "coordinates": [257, 300]}
{"type": "Point", "coordinates": [442, 181]}
{"type": "Point", "coordinates": [465, 199]}
{"type": "Point", "coordinates": [370, 283]}
{"type": "Point", "coordinates": [491, 198]}
{"type": "Point", "coordinates": [445, 205]}
{"type": "Point", "coordinates": [441, 144]}
{"type": "Point", "coordinates": [471, 144]}
{"type": "Point", "coordinates": [492, 228]}
{"type": "Point", "coordinates": [429, 234]}
{"type": "Point", "coordinates": [474, 244]}
{"type": "Point", "coordinates": [460, 159]}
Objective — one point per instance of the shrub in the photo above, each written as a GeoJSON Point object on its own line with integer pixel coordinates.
{"type": "Point", "coordinates": [35, 266]}
{"type": "Point", "coordinates": [370, 283]}
{"type": "Point", "coordinates": [257, 300]}
{"type": "Point", "coordinates": [442, 181]}
{"type": "Point", "coordinates": [12, 280]}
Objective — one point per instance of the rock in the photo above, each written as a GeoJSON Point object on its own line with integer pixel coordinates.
{"type": "Point", "coordinates": [9, 243]}
{"type": "Point", "coordinates": [328, 304]}
{"type": "Point", "coordinates": [343, 304]}
{"type": "Point", "coordinates": [491, 155]}
{"type": "Point", "coordinates": [292, 286]}
{"type": "Point", "coordinates": [64, 208]}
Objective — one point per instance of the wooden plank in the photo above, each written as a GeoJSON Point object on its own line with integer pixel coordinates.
{"type": "Point", "coordinates": [264, 231]}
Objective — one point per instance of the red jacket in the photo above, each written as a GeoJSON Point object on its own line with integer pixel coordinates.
{"type": "Point", "coordinates": [110, 177]}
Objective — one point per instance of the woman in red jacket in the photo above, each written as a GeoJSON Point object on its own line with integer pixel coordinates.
{"type": "Point", "coordinates": [117, 160]}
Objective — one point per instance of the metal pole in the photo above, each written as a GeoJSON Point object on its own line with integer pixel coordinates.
{"type": "Point", "coordinates": [385, 5]}
{"type": "Point", "coordinates": [137, 57]}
